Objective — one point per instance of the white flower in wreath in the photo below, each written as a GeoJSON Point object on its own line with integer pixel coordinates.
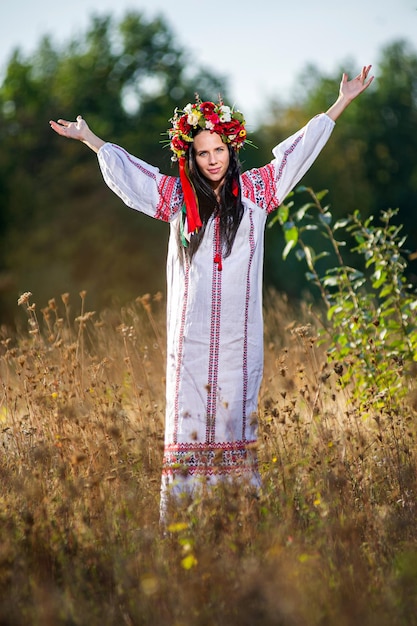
{"type": "Point", "coordinates": [209, 125]}
{"type": "Point", "coordinates": [192, 119]}
{"type": "Point", "coordinates": [225, 114]}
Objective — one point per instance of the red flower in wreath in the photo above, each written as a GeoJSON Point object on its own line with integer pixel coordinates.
{"type": "Point", "coordinates": [183, 125]}
{"type": "Point", "coordinates": [178, 144]}
{"type": "Point", "coordinates": [231, 128]}
{"type": "Point", "coordinates": [207, 108]}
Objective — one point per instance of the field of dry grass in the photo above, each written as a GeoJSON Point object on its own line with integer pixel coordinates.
{"type": "Point", "coordinates": [331, 541]}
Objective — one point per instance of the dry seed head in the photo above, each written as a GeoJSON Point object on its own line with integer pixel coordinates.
{"type": "Point", "coordinates": [145, 299]}
{"type": "Point", "coordinates": [301, 331]}
{"type": "Point", "coordinates": [24, 298]}
{"type": "Point", "coordinates": [84, 318]}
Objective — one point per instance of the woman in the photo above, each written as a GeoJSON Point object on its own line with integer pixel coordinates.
{"type": "Point", "coordinates": [214, 275]}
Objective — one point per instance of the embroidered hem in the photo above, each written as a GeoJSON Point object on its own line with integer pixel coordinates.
{"type": "Point", "coordinates": [208, 459]}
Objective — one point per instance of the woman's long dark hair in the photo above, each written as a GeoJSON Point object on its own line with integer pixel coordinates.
{"type": "Point", "coordinates": [229, 208]}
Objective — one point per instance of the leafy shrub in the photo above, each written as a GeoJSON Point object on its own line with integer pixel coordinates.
{"type": "Point", "coordinates": [369, 316]}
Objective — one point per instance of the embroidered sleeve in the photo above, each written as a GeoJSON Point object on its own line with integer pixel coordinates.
{"type": "Point", "coordinates": [170, 198]}
{"type": "Point", "coordinates": [295, 155]}
{"type": "Point", "coordinates": [140, 185]}
{"type": "Point", "coordinates": [268, 186]}
{"type": "Point", "coordinates": [259, 186]}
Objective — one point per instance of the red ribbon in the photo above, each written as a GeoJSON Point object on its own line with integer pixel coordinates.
{"type": "Point", "coordinates": [190, 200]}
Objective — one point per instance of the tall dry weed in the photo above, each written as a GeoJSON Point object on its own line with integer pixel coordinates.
{"type": "Point", "coordinates": [331, 540]}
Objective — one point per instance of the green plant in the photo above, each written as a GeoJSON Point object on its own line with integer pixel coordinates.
{"type": "Point", "coordinates": [369, 318]}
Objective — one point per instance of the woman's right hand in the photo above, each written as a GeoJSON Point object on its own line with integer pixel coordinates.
{"type": "Point", "coordinates": [71, 130]}
{"type": "Point", "coordinates": [77, 130]}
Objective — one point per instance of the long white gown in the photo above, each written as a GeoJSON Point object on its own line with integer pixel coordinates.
{"type": "Point", "coordinates": [214, 317]}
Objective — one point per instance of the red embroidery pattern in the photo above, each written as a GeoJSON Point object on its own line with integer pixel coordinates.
{"type": "Point", "coordinates": [169, 188]}
{"type": "Point", "coordinates": [216, 297]}
{"type": "Point", "coordinates": [245, 337]}
{"type": "Point", "coordinates": [259, 186]}
{"type": "Point", "coordinates": [284, 161]}
{"type": "Point", "coordinates": [217, 458]}
{"type": "Point", "coordinates": [171, 198]}
{"type": "Point", "coordinates": [136, 164]}
{"type": "Point", "coordinates": [180, 350]}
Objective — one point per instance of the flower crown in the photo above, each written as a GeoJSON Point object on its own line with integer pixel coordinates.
{"type": "Point", "coordinates": [227, 122]}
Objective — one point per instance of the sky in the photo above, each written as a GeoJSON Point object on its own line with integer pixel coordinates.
{"type": "Point", "coordinates": [260, 46]}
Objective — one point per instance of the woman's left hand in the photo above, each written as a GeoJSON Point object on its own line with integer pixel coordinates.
{"type": "Point", "coordinates": [350, 89]}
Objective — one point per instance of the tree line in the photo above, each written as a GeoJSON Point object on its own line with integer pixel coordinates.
{"type": "Point", "coordinates": [61, 230]}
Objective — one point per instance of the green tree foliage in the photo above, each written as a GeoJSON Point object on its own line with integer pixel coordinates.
{"type": "Point", "coordinates": [370, 162]}
{"type": "Point", "coordinates": [60, 228]}
{"type": "Point", "coordinates": [390, 150]}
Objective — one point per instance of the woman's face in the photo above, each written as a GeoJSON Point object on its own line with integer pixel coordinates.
{"type": "Point", "coordinates": [212, 157]}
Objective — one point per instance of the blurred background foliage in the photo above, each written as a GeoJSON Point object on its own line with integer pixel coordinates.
{"type": "Point", "coordinates": [62, 230]}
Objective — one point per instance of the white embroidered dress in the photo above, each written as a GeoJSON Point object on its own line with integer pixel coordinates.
{"type": "Point", "coordinates": [214, 317]}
